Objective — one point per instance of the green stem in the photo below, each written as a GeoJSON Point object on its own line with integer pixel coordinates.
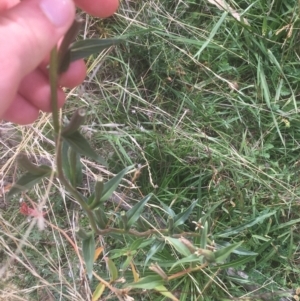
{"type": "Point", "coordinates": [53, 76]}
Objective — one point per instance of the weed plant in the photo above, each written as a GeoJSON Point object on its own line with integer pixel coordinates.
{"type": "Point", "coordinates": [206, 100]}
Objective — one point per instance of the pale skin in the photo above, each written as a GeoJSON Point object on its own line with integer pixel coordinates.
{"type": "Point", "coordinates": [29, 29]}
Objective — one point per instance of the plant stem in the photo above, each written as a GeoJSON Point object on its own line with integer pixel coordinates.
{"type": "Point", "coordinates": [187, 271]}
{"type": "Point", "coordinates": [53, 76]}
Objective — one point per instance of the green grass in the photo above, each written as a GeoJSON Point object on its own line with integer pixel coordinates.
{"type": "Point", "coordinates": [209, 107]}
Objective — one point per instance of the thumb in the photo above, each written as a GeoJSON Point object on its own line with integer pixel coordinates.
{"type": "Point", "coordinates": [28, 32]}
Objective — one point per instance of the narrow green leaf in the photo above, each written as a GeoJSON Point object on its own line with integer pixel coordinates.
{"type": "Point", "coordinates": [189, 259]}
{"type": "Point", "coordinates": [117, 253]}
{"type": "Point", "coordinates": [112, 184]}
{"type": "Point", "coordinates": [285, 225]}
{"type": "Point", "coordinates": [148, 282]}
{"type": "Point", "coordinates": [126, 263]}
{"type": "Point", "coordinates": [26, 182]}
{"type": "Point", "coordinates": [141, 225]}
{"type": "Point", "coordinates": [124, 220]}
{"type": "Point", "coordinates": [89, 200]}
{"type": "Point", "coordinates": [135, 212]}
{"type": "Point", "coordinates": [98, 291]}
{"type": "Point", "coordinates": [65, 160]}
{"type": "Point", "coordinates": [170, 225]}
{"type": "Point", "coordinates": [141, 243]}
{"type": "Point", "coordinates": [163, 290]}
{"type": "Point", "coordinates": [82, 234]}
{"type": "Point", "coordinates": [100, 217]}
{"type": "Point", "coordinates": [81, 145]}
{"type": "Point", "coordinates": [238, 251]}
{"type": "Point", "coordinates": [157, 246]}
{"type": "Point", "coordinates": [71, 164]}
{"type": "Point", "coordinates": [167, 209]}
{"type": "Point", "coordinates": [88, 250]}
{"type": "Point", "coordinates": [212, 34]}
{"type": "Point", "coordinates": [236, 263]}
{"type": "Point", "coordinates": [178, 245]}
{"type": "Point", "coordinates": [113, 271]}
{"type": "Point", "coordinates": [180, 218]}
{"type": "Point", "coordinates": [267, 97]}
{"type": "Point", "coordinates": [99, 186]}
{"type": "Point", "coordinates": [85, 48]}
{"type": "Point", "coordinates": [203, 240]}
{"type": "Point", "coordinates": [185, 291]}
{"type": "Point", "coordinates": [249, 224]}
{"type": "Point", "coordinates": [222, 254]}
{"type": "Point", "coordinates": [28, 166]}
{"type": "Point", "coordinates": [263, 260]}
{"type": "Point", "coordinates": [274, 60]}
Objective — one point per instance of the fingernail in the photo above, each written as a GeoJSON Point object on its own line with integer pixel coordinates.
{"type": "Point", "coordinates": [57, 11]}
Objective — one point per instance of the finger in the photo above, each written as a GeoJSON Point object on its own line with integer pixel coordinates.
{"type": "Point", "coordinates": [35, 89]}
{"type": "Point", "coordinates": [21, 111]}
{"type": "Point", "coordinates": [74, 76]}
{"type": "Point", "coordinates": [28, 32]}
{"type": "Point", "coordinates": [99, 8]}
{"type": "Point", "coordinates": [6, 4]}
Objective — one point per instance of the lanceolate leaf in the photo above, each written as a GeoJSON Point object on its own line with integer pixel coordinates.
{"type": "Point", "coordinates": [27, 181]}
{"type": "Point", "coordinates": [98, 291]}
{"type": "Point", "coordinates": [81, 145]}
{"type": "Point", "coordinates": [203, 240]}
{"type": "Point", "coordinates": [135, 274]}
{"type": "Point", "coordinates": [183, 216]}
{"type": "Point", "coordinates": [113, 271]}
{"type": "Point", "coordinates": [27, 165]}
{"type": "Point", "coordinates": [100, 217]}
{"type": "Point", "coordinates": [85, 48]}
{"type": "Point", "coordinates": [83, 234]}
{"type": "Point", "coordinates": [179, 246]}
{"type": "Point", "coordinates": [157, 246]}
{"type": "Point", "coordinates": [189, 259]}
{"type": "Point", "coordinates": [71, 164]}
{"type": "Point", "coordinates": [249, 224]}
{"type": "Point", "coordinates": [75, 167]}
{"type": "Point", "coordinates": [148, 282]}
{"type": "Point", "coordinates": [88, 250]}
{"type": "Point", "coordinates": [236, 263]}
{"type": "Point", "coordinates": [140, 243]}
{"type": "Point", "coordinates": [111, 185]}
{"type": "Point", "coordinates": [163, 290]}
{"type": "Point", "coordinates": [167, 209]}
{"type": "Point", "coordinates": [135, 212]}
{"type": "Point", "coordinates": [222, 254]}
{"type": "Point", "coordinates": [99, 186]}
{"type": "Point", "coordinates": [241, 251]}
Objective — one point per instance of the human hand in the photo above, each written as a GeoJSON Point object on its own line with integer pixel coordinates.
{"type": "Point", "coordinates": [28, 31]}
